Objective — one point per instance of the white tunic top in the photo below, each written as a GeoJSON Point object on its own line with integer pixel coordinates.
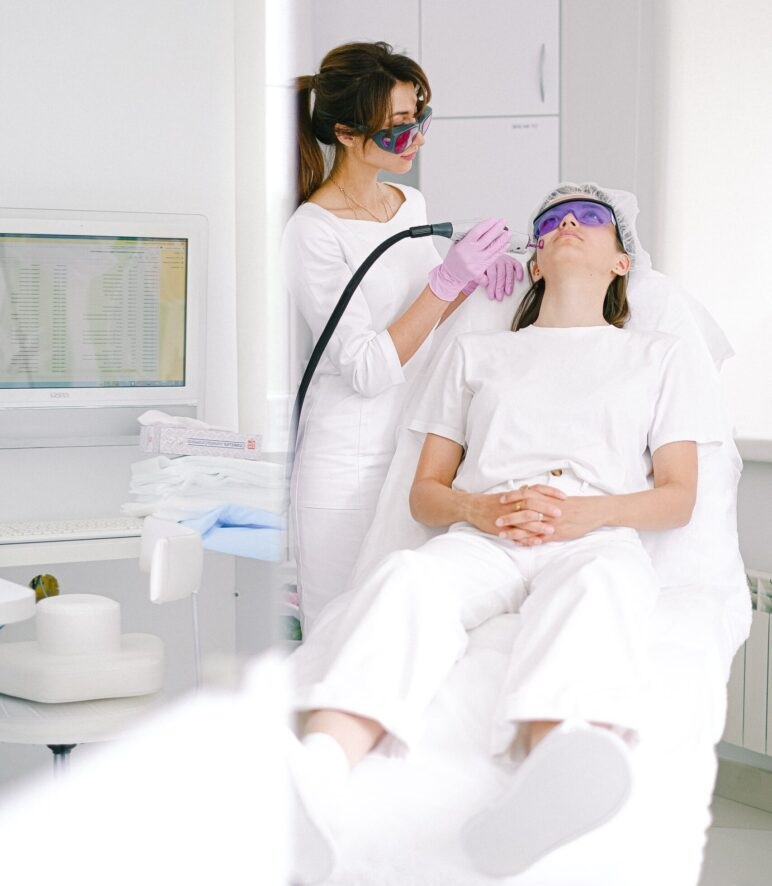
{"type": "Point", "coordinates": [596, 400]}
{"type": "Point", "coordinates": [347, 430]}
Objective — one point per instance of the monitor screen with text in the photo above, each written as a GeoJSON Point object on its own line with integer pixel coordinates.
{"type": "Point", "coordinates": [90, 311]}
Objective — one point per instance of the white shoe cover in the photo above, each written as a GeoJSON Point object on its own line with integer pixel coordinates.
{"type": "Point", "coordinates": [574, 780]}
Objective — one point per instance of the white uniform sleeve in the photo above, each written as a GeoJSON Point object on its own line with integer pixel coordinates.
{"type": "Point", "coordinates": [444, 404]}
{"type": "Point", "coordinates": [689, 405]}
{"type": "Point", "coordinates": [316, 274]}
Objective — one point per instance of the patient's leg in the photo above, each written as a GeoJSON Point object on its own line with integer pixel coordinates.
{"type": "Point", "coordinates": [382, 652]}
{"type": "Point", "coordinates": [537, 731]}
{"type": "Point", "coordinates": [580, 656]}
{"type": "Point", "coordinates": [355, 735]}
{"type": "Point", "coordinates": [582, 651]}
{"type": "Point", "coordinates": [375, 660]}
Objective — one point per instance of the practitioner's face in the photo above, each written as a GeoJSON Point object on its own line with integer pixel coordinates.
{"type": "Point", "coordinates": [404, 109]}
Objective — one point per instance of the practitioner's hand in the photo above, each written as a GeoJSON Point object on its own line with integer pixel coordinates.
{"type": "Point", "coordinates": [499, 279]}
{"type": "Point", "coordinates": [468, 259]}
{"type": "Point", "coordinates": [517, 515]}
{"type": "Point", "coordinates": [579, 515]}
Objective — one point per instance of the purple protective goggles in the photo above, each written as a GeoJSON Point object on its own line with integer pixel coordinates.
{"type": "Point", "coordinates": [399, 138]}
{"type": "Point", "coordinates": [585, 210]}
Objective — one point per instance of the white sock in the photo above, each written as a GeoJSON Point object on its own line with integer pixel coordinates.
{"type": "Point", "coordinates": [318, 770]}
{"type": "Point", "coordinates": [328, 756]}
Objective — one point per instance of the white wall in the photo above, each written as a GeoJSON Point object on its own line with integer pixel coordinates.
{"type": "Point", "coordinates": [717, 172]}
{"type": "Point", "coordinates": [670, 99]}
{"type": "Point", "coordinates": [610, 87]}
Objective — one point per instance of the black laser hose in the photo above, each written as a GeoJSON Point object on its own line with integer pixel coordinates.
{"type": "Point", "coordinates": [444, 229]}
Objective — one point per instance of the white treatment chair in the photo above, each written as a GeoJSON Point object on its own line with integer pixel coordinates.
{"type": "Point", "coordinates": [403, 817]}
{"type": "Point", "coordinates": [81, 679]}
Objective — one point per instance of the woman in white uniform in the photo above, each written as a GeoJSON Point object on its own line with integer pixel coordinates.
{"type": "Point", "coordinates": [371, 104]}
{"type": "Point", "coordinates": [539, 450]}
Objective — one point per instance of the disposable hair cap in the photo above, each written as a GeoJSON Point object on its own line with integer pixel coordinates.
{"type": "Point", "coordinates": [625, 206]}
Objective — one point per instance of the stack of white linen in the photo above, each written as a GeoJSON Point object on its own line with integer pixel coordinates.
{"type": "Point", "coordinates": [189, 486]}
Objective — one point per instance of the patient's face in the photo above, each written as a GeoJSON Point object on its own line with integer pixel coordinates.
{"type": "Point", "coordinates": [587, 248]}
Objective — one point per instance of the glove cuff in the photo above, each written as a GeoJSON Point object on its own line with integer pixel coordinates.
{"type": "Point", "coordinates": [443, 285]}
{"type": "Point", "coordinates": [473, 285]}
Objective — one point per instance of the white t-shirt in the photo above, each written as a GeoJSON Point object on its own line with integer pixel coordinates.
{"type": "Point", "coordinates": [596, 400]}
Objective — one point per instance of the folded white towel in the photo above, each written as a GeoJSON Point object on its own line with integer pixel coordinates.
{"type": "Point", "coordinates": [160, 474]}
{"type": "Point", "coordinates": [186, 487]}
{"type": "Point", "coordinates": [156, 417]}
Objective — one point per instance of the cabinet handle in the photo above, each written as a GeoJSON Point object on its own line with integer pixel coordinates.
{"type": "Point", "coordinates": [542, 60]}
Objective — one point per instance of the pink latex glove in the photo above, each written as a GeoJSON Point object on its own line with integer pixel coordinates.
{"type": "Point", "coordinates": [499, 278]}
{"type": "Point", "coordinates": [468, 259]}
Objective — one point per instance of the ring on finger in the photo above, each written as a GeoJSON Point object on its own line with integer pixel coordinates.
{"type": "Point", "coordinates": [518, 505]}
{"type": "Point", "coordinates": [539, 516]}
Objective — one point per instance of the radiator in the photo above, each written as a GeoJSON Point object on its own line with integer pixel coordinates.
{"type": "Point", "coordinates": [749, 712]}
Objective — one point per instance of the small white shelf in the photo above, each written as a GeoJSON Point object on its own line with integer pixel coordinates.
{"type": "Point", "coordinates": [81, 551]}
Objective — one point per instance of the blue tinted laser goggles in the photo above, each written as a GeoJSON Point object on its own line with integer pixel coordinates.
{"type": "Point", "coordinates": [586, 211]}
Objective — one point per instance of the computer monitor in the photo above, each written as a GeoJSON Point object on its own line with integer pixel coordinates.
{"type": "Point", "coordinates": [101, 309]}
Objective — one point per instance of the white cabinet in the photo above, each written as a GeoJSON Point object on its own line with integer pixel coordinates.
{"type": "Point", "coordinates": [494, 145]}
{"type": "Point", "coordinates": [492, 166]}
{"type": "Point", "coordinates": [491, 58]}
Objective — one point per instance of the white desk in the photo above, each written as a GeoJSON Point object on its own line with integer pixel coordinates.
{"type": "Point", "coordinates": [81, 551]}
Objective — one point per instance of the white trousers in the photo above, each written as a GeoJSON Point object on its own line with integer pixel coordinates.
{"type": "Point", "coordinates": [383, 650]}
{"type": "Point", "coordinates": [326, 542]}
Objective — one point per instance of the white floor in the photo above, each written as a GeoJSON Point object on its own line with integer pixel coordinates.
{"type": "Point", "coordinates": [739, 850]}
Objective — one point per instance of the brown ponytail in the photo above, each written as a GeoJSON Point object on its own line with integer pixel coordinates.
{"type": "Point", "coordinates": [310, 171]}
{"type": "Point", "coordinates": [352, 90]}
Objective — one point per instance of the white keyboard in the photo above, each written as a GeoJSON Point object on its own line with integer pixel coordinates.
{"type": "Point", "coordinates": [69, 530]}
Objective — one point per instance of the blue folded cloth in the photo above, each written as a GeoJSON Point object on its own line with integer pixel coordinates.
{"type": "Point", "coordinates": [243, 531]}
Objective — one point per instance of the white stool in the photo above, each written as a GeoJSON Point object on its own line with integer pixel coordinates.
{"type": "Point", "coordinates": [63, 726]}
{"type": "Point", "coordinates": [81, 679]}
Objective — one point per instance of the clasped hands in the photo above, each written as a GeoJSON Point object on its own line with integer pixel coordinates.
{"type": "Point", "coordinates": [536, 514]}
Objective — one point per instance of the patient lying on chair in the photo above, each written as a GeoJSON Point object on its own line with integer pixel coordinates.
{"type": "Point", "coordinates": [541, 445]}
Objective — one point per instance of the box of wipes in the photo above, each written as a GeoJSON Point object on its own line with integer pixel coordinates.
{"type": "Point", "coordinates": [165, 440]}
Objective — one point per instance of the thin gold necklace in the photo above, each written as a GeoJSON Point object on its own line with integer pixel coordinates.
{"type": "Point", "coordinates": [349, 199]}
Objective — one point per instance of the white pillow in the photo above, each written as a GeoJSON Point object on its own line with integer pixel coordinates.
{"type": "Point", "coordinates": [658, 302]}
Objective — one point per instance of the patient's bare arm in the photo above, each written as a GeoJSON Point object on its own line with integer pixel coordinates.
{"type": "Point", "coordinates": [434, 503]}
